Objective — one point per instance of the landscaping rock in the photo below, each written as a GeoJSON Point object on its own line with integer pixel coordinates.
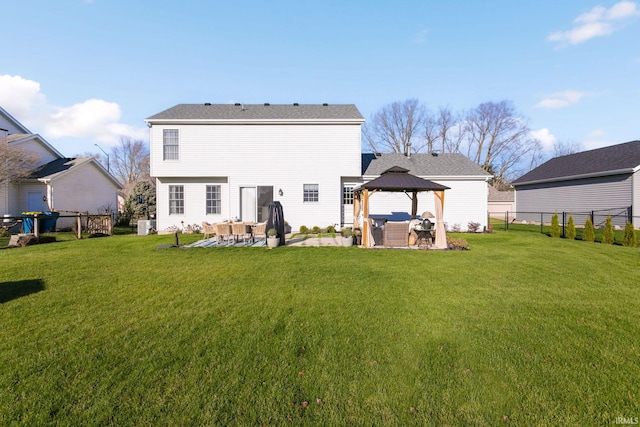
{"type": "Point", "coordinates": [22, 240]}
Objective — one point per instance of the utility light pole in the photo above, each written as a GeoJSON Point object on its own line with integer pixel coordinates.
{"type": "Point", "coordinates": [106, 154]}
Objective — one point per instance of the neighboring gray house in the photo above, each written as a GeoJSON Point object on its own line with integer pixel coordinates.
{"type": "Point", "coordinates": [605, 180]}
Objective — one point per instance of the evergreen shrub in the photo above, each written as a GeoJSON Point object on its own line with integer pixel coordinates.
{"type": "Point", "coordinates": [588, 235]}
{"type": "Point", "coordinates": [607, 236]}
{"type": "Point", "coordinates": [630, 238]}
{"type": "Point", "coordinates": [571, 228]}
{"type": "Point", "coordinates": [555, 226]}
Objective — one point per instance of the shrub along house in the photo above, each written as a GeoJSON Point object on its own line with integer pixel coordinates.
{"type": "Point", "coordinates": [605, 181]}
{"type": "Point", "coordinates": [215, 162]}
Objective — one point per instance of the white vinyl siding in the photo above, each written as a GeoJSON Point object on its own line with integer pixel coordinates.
{"type": "Point", "coordinates": [267, 151]}
{"type": "Point", "coordinates": [252, 156]}
{"type": "Point", "coordinates": [465, 202]}
{"type": "Point", "coordinates": [176, 199]}
{"type": "Point", "coordinates": [170, 144]}
{"type": "Point", "coordinates": [577, 195]}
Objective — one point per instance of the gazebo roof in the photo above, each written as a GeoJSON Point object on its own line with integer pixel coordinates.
{"type": "Point", "coordinates": [399, 179]}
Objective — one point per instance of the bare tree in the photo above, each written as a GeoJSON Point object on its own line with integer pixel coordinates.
{"type": "Point", "coordinates": [566, 148]}
{"type": "Point", "coordinates": [498, 138]}
{"type": "Point", "coordinates": [444, 131]}
{"type": "Point", "coordinates": [15, 162]}
{"type": "Point", "coordinates": [129, 162]}
{"type": "Point", "coordinates": [395, 128]}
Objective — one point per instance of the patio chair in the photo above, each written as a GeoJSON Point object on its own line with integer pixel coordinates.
{"type": "Point", "coordinates": [208, 229]}
{"type": "Point", "coordinates": [241, 231]}
{"type": "Point", "coordinates": [396, 234]}
{"type": "Point", "coordinates": [223, 232]}
{"type": "Point", "coordinates": [260, 229]}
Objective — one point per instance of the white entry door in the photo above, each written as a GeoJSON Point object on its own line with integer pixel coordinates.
{"type": "Point", "coordinates": [34, 201]}
{"type": "Point", "coordinates": [248, 205]}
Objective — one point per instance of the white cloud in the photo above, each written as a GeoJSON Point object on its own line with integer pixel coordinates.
{"type": "Point", "coordinates": [624, 9]}
{"type": "Point", "coordinates": [21, 97]}
{"type": "Point", "coordinates": [597, 133]}
{"type": "Point", "coordinates": [546, 138]}
{"type": "Point", "coordinates": [598, 22]}
{"type": "Point", "coordinates": [561, 99]}
{"type": "Point", "coordinates": [94, 119]}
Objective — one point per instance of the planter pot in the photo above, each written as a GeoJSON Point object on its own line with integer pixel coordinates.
{"type": "Point", "coordinates": [272, 242]}
{"type": "Point", "coordinates": [347, 241]}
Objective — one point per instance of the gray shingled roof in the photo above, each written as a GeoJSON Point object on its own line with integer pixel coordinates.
{"type": "Point", "coordinates": [422, 164]}
{"type": "Point", "coordinates": [222, 112]}
{"type": "Point", "coordinates": [602, 161]}
{"type": "Point", "coordinates": [54, 167]}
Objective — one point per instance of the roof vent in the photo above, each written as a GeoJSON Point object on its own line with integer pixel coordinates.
{"type": "Point", "coordinates": [266, 104]}
{"type": "Point", "coordinates": [207, 103]}
{"type": "Point", "coordinates": [434, 153]}
{"type": "Point", "coordinates": [237, 104]}
{"type": "Point", "coordinates": [325, 105]}
{"type": "Point", "coordinates": [296, 104]}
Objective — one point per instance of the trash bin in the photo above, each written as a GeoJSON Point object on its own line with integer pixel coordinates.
{"type": "Point", "coordinates": [27, 223]}
{"type": "Point", "coordinates": [48, 223]}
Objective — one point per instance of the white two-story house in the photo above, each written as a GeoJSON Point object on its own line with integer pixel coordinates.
{"type": "Point", "coordinates": [214, 162]}
{"type": "Point", "coordinates": [219, 162]}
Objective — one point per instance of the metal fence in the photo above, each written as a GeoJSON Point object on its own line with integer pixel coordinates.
{"type": "Point", "coordinates": [541, 221]}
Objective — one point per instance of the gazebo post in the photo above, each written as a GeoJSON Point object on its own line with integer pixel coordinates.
{"type": "Point", "coordinates": [365, 221]}
{"type": "Point", "coordinates": [414, 205]}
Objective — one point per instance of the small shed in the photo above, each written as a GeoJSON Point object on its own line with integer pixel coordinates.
{"type": "Point", "coordinates": [397, 179]}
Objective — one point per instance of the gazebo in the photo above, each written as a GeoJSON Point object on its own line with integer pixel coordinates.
{"type": "Point", "coordinates": [399, 179]}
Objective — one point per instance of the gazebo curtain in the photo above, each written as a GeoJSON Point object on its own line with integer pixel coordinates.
{"type": "Point", "coordinates": [441, 234]}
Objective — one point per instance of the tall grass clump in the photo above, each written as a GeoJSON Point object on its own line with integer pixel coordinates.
{"type": "Point", "coordinates": [589, 234]}
{"type": "Point", "coordinates": [630, 238]}
{"type": "Point", "coordinates": [607, 235]}
{"type": "Point", "coordinates": [571, 228]}
{"type": "Point", "coordinates": [555, 226]}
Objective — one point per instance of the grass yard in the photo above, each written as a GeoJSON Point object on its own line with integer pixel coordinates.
{"type": "Point", "coordinates": [520, 330]}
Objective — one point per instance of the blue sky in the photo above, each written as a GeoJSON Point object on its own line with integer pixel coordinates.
{"type": "Point", "coordinates": [84, 72]}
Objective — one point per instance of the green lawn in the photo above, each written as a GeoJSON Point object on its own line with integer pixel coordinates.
{"type": "Point", "coordinates": [520, 330]}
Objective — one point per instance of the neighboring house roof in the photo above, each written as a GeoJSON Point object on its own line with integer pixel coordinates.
{"type": "Point", "coordinates": [613, 160]}
{"type": "Point", "coordinates": [495, 195]}
{"type": "Point", "coordinates": [399, 179]}
{"type": "Point", "coordinates": [441, 165]}
{"type": "Point", "coordinates": [10, 119]}
{"type": "Point", "coordinates": [19, 138]}
{"type": "Point", "coordinates": [59, 167]}
{"type": "Point", "coordinates": [211, 113]}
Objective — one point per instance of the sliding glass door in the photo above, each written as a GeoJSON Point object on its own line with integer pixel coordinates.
{"type": "Point", "coordinates": [254, 203]}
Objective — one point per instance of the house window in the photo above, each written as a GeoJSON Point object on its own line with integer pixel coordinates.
{"type": "Point", "coordinates": [214, 199]}
{"type": "Point", "coordinates": [176, 199]}
{"type": "Point", "coordinates": [170, 144]}
{"type": "Point", "coordinates": [310, 193]}
{"type": "Point", "coordinates": [347, 195]}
